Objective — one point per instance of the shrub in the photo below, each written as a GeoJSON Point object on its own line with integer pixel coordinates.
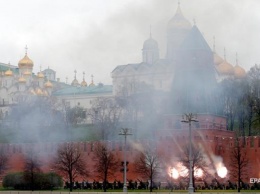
{"type": "Point", "coordinates": [42, 181]}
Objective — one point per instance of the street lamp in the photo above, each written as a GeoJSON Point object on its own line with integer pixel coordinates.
{"type": "Point", "coordinates": [52, 179]}
{"type": "Point", "coordinates": [125, 132]}
{"type": "Point", "coordinates": [171, 179]}
{"type": "Point", "coordinates": [188, 118]}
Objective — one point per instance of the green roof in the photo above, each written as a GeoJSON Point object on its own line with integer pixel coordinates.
{"type": "Point", "coordinates": [4, 67]}
{"type": "Point", "coordinates": [74, 90]}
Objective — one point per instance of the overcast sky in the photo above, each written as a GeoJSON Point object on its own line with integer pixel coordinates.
{"type": "Point", "coordinates": [97, 35]}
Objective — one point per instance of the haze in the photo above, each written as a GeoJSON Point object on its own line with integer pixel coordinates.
{"type": "Point", "coordinates": [97, 35]}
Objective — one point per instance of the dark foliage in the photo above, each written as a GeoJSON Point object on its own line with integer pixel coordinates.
{"type": "Point", "coordinates": [42, 181]}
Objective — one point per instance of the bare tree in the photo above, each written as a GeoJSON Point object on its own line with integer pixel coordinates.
{"type": "Point", "coordinates": [69, 162]}
{"type": "Point", "coordinates": [3, 161]}
{"type": "Point", "coordinates": [105, 114]}
{"type": "Point", "coordinates": [148, 165]}
{"type": "Point", "coordinates": [238, 162]}
{"type": "Point", "coordinates": [32, 166]}
{"type": "Point", "coordinates": [142, 106]}
{"type": "Point", "coordinates": [75, 115]}
{"type": "Point", "coordinates": [199, 162]}
{"type": "Point", "coordinates": [106, 163]}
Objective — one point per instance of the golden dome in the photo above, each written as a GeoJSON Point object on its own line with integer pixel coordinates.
{"type": "Point", "coordinates": [27, 73]}
{"type": "Point", "coordinates": [225, 68]}
{"type": "Point", "coordinates": [9, 73]}
{"type": "Point", "coordinates": [179, 21]}
{"type": "Point", "coordinates": [92, 84]}
{"type": "Point", "coordinates": [48, 84]}
{"type": "Point", "coordinates": [40, 75]}
{"type": "Point", "coordinates": [84, 83]}
{"type": "Point", "coordinates": [39, 92]}
{"type": "Point", "coordinates": [75, 82]}
{"type": "Point", "coordinates": [217, 59]}
{"type": "Point", "coordinates": [21, 80]}
{"type": "Point", "coordinates": [239, 72]}
{"type": "Point", "coordinates": [25, 62]}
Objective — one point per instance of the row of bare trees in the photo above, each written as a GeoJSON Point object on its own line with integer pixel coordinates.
{"type": "Point", "coordinates": [71, 164]}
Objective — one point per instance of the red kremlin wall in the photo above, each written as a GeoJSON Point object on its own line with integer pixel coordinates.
{"type": "Point", "coordinates": [209, 134]}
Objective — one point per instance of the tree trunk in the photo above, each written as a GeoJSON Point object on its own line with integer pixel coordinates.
{"type": "Point", "coordinates": [105, 185]}
{"type": "Point", "coordinates": [151, 184]}
{"type": "Point", "coordinates": [71, 186]}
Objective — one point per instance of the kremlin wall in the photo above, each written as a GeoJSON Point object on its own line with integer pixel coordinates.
{"type": "Point", "coordinates": [216, 144]}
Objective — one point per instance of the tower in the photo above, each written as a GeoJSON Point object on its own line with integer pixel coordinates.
{"type": "Point", "coordinates": [194, 83]}
{"type": "Point", "coordinates": [150, 50]}
{"type": "Point", "coordinates": [177, 29]}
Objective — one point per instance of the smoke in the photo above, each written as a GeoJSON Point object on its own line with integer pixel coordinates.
{"type": "Point", "coordinates": [220, 167]}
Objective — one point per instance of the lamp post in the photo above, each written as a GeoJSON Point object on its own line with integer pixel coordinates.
{"type": "Point", "coordinates": [171, 179]}
{"type": "Point", "coordinates": [188, 118]}
{"type": "Point", "coordinates": [125, 132]}
{"type": "Point", "coordinates": [51, 180]}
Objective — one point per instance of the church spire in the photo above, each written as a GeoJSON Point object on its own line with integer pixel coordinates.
{"type": "Point", "coordinates": [224, 53]}
{"type": "Point", "coordinates": [75, 76]}
{"type": "Point", "coordinates": [177, 29]}
{"type": "Point", "coordinates": [26, 49]}
{"type": "Point", "coordinates": [236, 59]}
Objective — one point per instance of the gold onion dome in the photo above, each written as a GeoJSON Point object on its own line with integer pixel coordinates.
{"type": "Point", "coordinates": [25, 62]}
{"type": "Point", "coordinates": [239, 72]}
{"type": "Point", "coordinates": [39, 92]}
{"type": "Point", "coordinates": [75, 82]}
{"type": "Point", "coordinates": [179, 21]}
{"type": "Point", "coordinates": [84, 83]}
{"type": "Point", "coordinates": [21, 80]}
{"type": "Point", "coordinates": [48, 84]}
{"type": "Point", "coordinates": [92, 84]}
{"type": "Point", "coordinates": [8, 73]}
{"type": "Point", "coordinates": [225, 68]}
{"type": "Point", "coordinates": [92, 81]}
{"type": "Point", "coordinates": [40, 75]}
{"type": "Point", "coordinates": [217, 59]}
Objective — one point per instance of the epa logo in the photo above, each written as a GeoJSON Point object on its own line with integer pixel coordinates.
{"type": "Point", "coordinates": [254, 180]}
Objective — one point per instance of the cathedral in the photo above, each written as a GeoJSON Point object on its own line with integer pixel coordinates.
{"type": "Point", "coordinates": [183, 39]}
{"type": "Point", "coordinates": [19, 83]}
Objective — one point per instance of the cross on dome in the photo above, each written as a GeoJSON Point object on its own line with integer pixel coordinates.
{"type": "Point", "coordinates": [75, 71]}
{"type": "Point", "coordinates": [236, 59]}
{"type": "Point", "coordinates": [26, 49]}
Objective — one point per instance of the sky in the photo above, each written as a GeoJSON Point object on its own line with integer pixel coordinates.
{"type": "Point", "coordinates": [95, 36]}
